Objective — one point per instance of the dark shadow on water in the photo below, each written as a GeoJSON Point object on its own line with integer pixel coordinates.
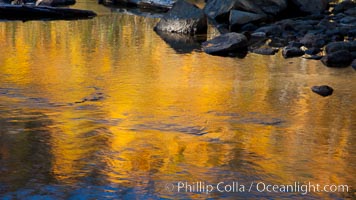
{"type": "Point", "coordinates": [182, 43]}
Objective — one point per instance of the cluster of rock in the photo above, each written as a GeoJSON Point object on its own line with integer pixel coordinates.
{"type": "Point", "coordinates": [155, 4]}
{"type": "Point", "coordinates": [314, 29]}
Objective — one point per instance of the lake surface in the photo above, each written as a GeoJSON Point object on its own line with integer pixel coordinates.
{"type": "Point", "coordinates": [108, 109]}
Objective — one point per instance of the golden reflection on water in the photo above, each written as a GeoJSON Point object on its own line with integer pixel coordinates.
{"type": "Point", "coordinates": [164, 116]}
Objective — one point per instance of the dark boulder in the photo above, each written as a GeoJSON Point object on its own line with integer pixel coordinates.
{"type": "Point", "coordinates": [341, 58]}
{"type": "Point", "coordinates": [323, 90]}
{"type": "Point", "coordinates": [313, 40]}
{"type": "Point", "coordinates": [55, 2]}
{"type": "Point", "coordinates": [181, 43]}
{"type": "Point", "coordinates": [269, 30]}
{"type": "Point", "coordinates": [311, 6]}
{"type": "Point", "coordinates": [216, 8]}
{"type": "Point", "coordinates": [226, 44]}
{"type": "Point", "coordinates": [343, 6]}
{"type": "Point", "coordinates": [312, 51]}
{"type": "Point", "coordinates": [238, 17]}
{"type": "Point", "coordinates": [351, 12]}
{"type": "Point", "coordinates": [353, 64]}
{"type": "Point", "coordinates": [265, 51]}
{"type": "Point", "coordinates": [348, 20]}
{"type": "Point", "coordinates": [151, 4]}
{"type": "Point", "coordinates": [219, 8]}
{"type": "Point", "coordinates": [184, 18]}
{"type": "Point", "coordinates": [269, 7]}
{"type": "Point", "coordinates": [289, 52]}
{"type": "Point", "coordinates": [337, 46]}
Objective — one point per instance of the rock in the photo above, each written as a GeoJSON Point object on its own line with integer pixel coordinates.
{"type": "Point", "coordinates": [55, 2]}
{"type": "Point", "coordinates": [341, 58]}
{"type": "Point", "coordinates": [351, 12]}
{"type": "Point", "coordinates": [183, 18]}
{"type": "Point", "coordinates": [312, 51]}
{"type": "Point", "coordinates": [24, 12]}
{"type": "Point", "coordinates": [289, 52]}
{"type": "Point", "coordinates": [155, 4]}
{"type": "Point", "coordinates": [312, 57]}
{"type": "Point", "coordinates": [277, 42]}
{"type": "Point", "coordinates": [216, 8]}
{"type": "Point", "coordinates": [323, 90]}
{"type": "Point", "coordinates": [181, 43]}
{"type": "Point", "coordinates": [238, 17]}
{"type": "Point", "coordinates": [353, 64]}
{"type": "Point", "coordinates": [166, 4]}
{"type": "Point", "coordinates": [337, 46]}
{"type": "Point", "coordinates": [265, 51]}
{"type": "Point", "coordinates": [344, 5]}
{"type": "Point", "coordinates": [311, 6]}
{"type": "Point", "coordinates": [225, 44]}
{"type": "Point", "coordinates": [348, 20]}
{"type": "Point", "coordinates": [312, 40]}
{"type": "Point", "coordinates": [272, 29]}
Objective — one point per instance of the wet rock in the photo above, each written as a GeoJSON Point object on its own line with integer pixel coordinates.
{"type": "Point", "coordinates": [265, 51]}
{"type": "Point", "coordinates": [343, 6]}
{"type": "Point", "coordinates": [249, 27]}
{"type": "Point", "coordinates": [216, 8]}
{"type": "Point", "coordinates": [351, 12]}
{"type": "Point", "coordinates": [337, 46]}
{"type": "Point", "coordinates": [272, 29]}
{"type": "Point", "coordinates": [269, 7]}
{"type": "Point", "coordinates": [323, 90]}
{"type": "Point", "coordinates": [312, 51]}
{"type": "Point", "coordinates": [181, 43]}
{"type": "Point", "coordinates": [55, 2]}
{"type": "Point", "coordinates": [295, 44]}
{"type": "Point", "coordinates": [278, 42]}
{"type": "Point", "coordinates": [152, 4]}
{"type": "Point", "coordinates": [341, 58]}
{"type": "Point", "coordinates": [312, 57]}
{"type": "Point", "coordinates": [184, 18]}
{"type": "Point", "coordinates": [238, 17]}
{"type": "Point", "coordinates": [353, 64]}
{"type": "Point", "coordinates": [225, 44]}
{"type": "Point", "coordinates": [348, 20]}
{"type": "Point", "coordinates": [311, 6]}
{"type": "Point", "coordinates": [289, 52]}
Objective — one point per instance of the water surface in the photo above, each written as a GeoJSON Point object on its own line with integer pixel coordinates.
{"type": "Point", "coordinates": [108, 109]}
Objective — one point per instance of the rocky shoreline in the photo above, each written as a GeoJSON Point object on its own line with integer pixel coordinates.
{"type": "Point", "coordinates": [314, 29]}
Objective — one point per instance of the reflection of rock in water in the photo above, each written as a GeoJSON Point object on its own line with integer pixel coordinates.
{"type": "Point", "coordinates": [182, 43]}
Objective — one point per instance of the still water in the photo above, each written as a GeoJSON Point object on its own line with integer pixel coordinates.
{"type": "Point", "coordinates": [107, 109]}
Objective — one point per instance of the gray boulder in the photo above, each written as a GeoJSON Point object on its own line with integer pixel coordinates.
{"type": "Point", "coordinates": [184, 18]}
{"type": "Point", "coordinates": [226, 44]}
{"type": "Point", "coordinates": [311, 6]}
{"type": "Point", "coordinates": [238, 17]}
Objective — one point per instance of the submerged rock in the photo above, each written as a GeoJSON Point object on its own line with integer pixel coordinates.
{"type": "Point", "coordinates": [323, 90]}
{"type": "Point", "coordinates": [338, 59]}
{"type": "Point", "coordinates": [184, 18]}
{"type": "Point", "coordinates": [225, 44]}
